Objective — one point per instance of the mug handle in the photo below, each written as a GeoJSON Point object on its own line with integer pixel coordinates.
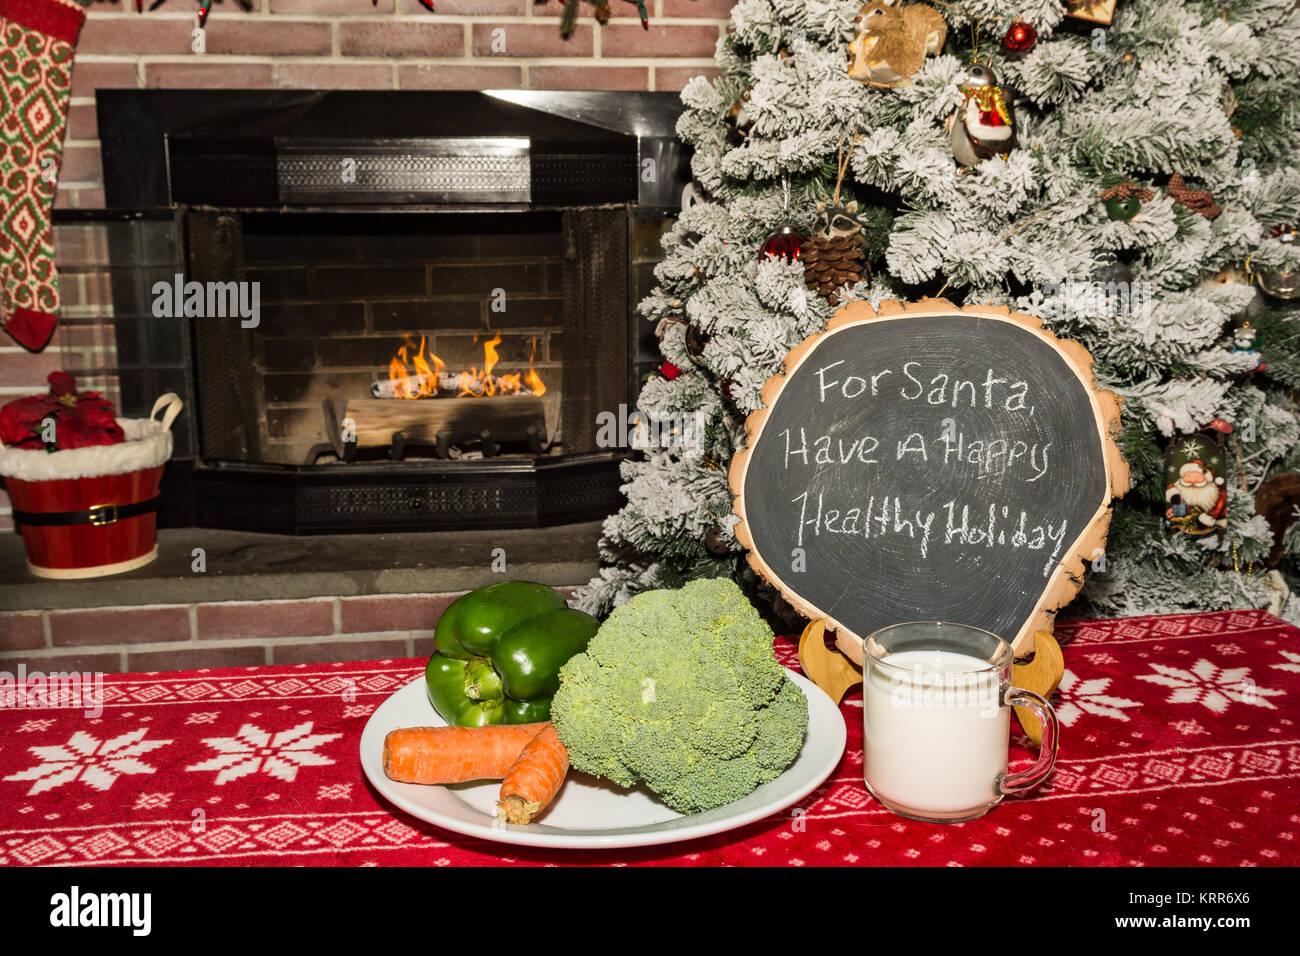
{"type": "Point", "coordinates": [1028, 779]}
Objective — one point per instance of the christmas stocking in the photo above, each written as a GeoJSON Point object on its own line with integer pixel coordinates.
{"type": "Point", "coordinates": [36, 42]}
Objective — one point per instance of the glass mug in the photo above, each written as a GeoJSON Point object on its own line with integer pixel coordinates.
{"type": "Point", "coordinates": [936, 703]}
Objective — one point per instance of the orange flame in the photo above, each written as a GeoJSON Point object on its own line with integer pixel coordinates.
{"type": "Point", "coordinates": [531, 378]}
{"type": "Point", "coordinates": [415, 376]}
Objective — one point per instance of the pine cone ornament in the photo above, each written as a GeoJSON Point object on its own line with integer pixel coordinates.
{"type": "Point", "coordinates": [836, 255]}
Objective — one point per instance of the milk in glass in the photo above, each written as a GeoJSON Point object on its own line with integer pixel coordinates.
{"type": "Point", "coordinates": [936, 738]}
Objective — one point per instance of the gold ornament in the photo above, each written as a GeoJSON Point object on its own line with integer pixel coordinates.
{"type": "Point", "coordinates": [1091, 11]}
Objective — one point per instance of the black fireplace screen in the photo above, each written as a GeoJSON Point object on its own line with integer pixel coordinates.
{"type": "Point", "coordinates": [340, 293]}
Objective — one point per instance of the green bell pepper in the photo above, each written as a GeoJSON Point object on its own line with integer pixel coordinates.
{"type": "Point", "coordinates": [499, 651]}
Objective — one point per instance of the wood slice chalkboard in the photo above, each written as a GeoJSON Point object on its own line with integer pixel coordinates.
{"type": "Point", "coordinates": [929, 462]}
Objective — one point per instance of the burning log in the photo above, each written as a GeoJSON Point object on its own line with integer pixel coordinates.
{"type": "Point", "coordinates": [449, 383]}
{"type": "Point", "coordinates": [380, 422]}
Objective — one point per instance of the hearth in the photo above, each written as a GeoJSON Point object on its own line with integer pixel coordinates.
{"type": "Point", "coordinates": [444, 287]}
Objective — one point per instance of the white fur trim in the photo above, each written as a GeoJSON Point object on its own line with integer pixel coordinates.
{"type": "Point", "coordinates": [148, 444]}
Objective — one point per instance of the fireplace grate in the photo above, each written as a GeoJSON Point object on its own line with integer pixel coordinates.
{"type": "Point", "coordinates": [416, 497]}
{"type": "Point", "coordinates": [484, 169]}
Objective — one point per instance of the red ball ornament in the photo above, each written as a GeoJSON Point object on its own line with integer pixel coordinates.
{"type": "Point", "coordinates": [1020, 36]}
{"type": "Point", "coordinates": [669, 371]}
{"type": "Point", "coordinates": [785, 242]}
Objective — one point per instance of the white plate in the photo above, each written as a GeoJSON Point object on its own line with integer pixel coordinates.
{"type": "Point", "coordinates": [591, 813]}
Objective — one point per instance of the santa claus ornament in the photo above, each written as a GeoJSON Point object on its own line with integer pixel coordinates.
{"type": "Point", "coordinates": [1196, 495]}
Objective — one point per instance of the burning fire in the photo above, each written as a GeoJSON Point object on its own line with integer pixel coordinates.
{"type": "Point", "coordinates": [416, 373]}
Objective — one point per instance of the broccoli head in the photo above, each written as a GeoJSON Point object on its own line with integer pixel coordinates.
{"type": "Point", "coordinates": [680, 689]}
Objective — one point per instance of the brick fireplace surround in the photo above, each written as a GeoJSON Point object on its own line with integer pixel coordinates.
{"type": "Point", "coordinates": [293, 44]}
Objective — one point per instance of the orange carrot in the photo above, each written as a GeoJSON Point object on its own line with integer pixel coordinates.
{"type": "Point", "coordinates": [455, 754]}
{"type": "Point", "coordinates": [534, 779]}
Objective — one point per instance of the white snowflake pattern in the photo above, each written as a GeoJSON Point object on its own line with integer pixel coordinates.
{"type": "Point", "coordinates": [1089, 697]}
{"type": "Point", "coordinates": [1188, 728]}
{"type": "Point", "coordinates": [96, 764]}
{"type": "Point", "coordinates": [1293, 666]}
{"type": "Point", "coordinates": [253, 749]}
{"type": "Point", "coordinates": [1212, 686]}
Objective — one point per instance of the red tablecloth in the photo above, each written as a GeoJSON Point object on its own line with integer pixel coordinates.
{"type": "Point", "coordinates": [1179, 746]}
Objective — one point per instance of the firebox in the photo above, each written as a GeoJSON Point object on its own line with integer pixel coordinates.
{"type": "Point", "coordinates": [401, 310]}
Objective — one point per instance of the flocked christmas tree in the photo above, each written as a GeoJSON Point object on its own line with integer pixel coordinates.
{"type": "Point", "coordinates": [1146, 193]}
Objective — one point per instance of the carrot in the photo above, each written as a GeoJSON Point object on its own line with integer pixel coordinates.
{"type": "Point", "coordinates": [455, 754]}
{"type": "Point", "coordinates": [534, 779]}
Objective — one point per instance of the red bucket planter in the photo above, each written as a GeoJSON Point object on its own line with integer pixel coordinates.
{"type": "Point", "coordinates": [90, 512]}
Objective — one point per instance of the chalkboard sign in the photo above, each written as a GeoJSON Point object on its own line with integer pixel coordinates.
{"type": "Point", "coordinates": [929, 462]}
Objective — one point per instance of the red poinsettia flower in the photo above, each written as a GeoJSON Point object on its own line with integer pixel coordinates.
{"type": "Point", "coordinates": [81, 418]}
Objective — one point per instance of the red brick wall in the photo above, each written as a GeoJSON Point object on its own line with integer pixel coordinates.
{"type": "Point", "coordinates": [228, 634]}
{"type": "Point", "coordinates": [397, 44]}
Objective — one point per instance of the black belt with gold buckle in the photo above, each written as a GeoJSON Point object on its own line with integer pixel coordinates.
{"type": "Point", "coordinates": [97, 515]}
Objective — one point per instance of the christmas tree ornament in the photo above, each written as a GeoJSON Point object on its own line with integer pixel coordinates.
{"type": "Point", "coordinates": [1196, 496]}
{"type": "Point", "coordinates": [1124, 201]}
{"type": "Point", "coordinates": [1020, 37]}
{"type": "Point", "coordinates": [1280, 283]}
{"type": "Point", "coordinates": [205, 7]}
{"type": "Point", "coordinates": [1230, 106]}
{"type": "Point", "coordinates": [715, 543]}
{"type": "Point", "coordinates": [785, 242]}
{"type": "Point", "coordinates": [738, 119]}
{"type": "Point", "coordinates": [1197, 200]}
{"type": "Point", "coordinates": [836, 255]}
{"type": "Point", "coordinates": [1244, 336]}
{"type": "Point", "coordinates": [985, 124]}
{"type": "Point", "coordinates": [39, 37]}
{"type": "Point", "coordinates": [1232, 275]}
{"type": "Point", "coordinates": [1110, 268]}
{"type": "Point", "coordinates": [669, 371]}
{"type": "Point", "coordinates": [1092, 11]}
{"type": "Point", "coordinates": [695, 341]}
{"type": "Point", "coordinates": [667, 322]}
{"type": "Point", "coordinates": [893, 40]}
{"type": "Point", "coordinates": [1278, 500]}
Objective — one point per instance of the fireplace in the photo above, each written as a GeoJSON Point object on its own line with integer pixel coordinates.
{"type": "Point", "coordinates": [437, 289]}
